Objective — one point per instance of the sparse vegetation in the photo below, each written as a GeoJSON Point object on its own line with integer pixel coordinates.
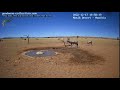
{"type": "Point", "coordinates": [99, 60]}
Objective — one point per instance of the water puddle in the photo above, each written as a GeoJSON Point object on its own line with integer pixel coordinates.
{"type": "Point", "coordinates": [40, 53]}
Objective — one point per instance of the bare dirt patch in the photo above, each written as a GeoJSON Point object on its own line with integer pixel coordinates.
{"type": "Point", "coordinates": [100, 60]}
{"type": "Point", "coordinates": [78, 56]}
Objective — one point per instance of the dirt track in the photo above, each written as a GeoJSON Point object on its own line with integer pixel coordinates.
{"type": "Point", "coordinates": [64, 65]}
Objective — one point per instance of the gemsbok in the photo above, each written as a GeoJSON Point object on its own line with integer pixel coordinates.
{"type": "Point", "coordinates": [73, 42]}
{"type": "Point", "coordinates": [89, 43]}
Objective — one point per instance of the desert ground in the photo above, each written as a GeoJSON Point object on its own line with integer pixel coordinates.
{"type": "Point", "coordinates": [100, 60]}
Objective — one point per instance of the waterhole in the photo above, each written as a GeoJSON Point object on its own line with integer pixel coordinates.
{"type": "Point", "coordinates": [40, 53]}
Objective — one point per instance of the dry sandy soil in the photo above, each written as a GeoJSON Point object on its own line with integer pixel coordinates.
{"type": "Point", "coordinates": [101, 60]}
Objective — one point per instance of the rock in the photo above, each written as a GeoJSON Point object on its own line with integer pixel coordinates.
{"type": "Point", "coordinates": [15, 64]}
{"type": "Point", "coordinates": [7, 60]}
{"type": "Point", "coordinates": [39, 52]}
{"type": "Point", "coordinates": [57, 53]}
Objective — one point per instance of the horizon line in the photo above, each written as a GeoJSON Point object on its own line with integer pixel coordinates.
{"type": "Point", "coordinates": [59, 37]}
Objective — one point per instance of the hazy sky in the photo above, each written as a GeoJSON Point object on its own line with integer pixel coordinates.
{"type": "Point", "coordinates": [61, 24]}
